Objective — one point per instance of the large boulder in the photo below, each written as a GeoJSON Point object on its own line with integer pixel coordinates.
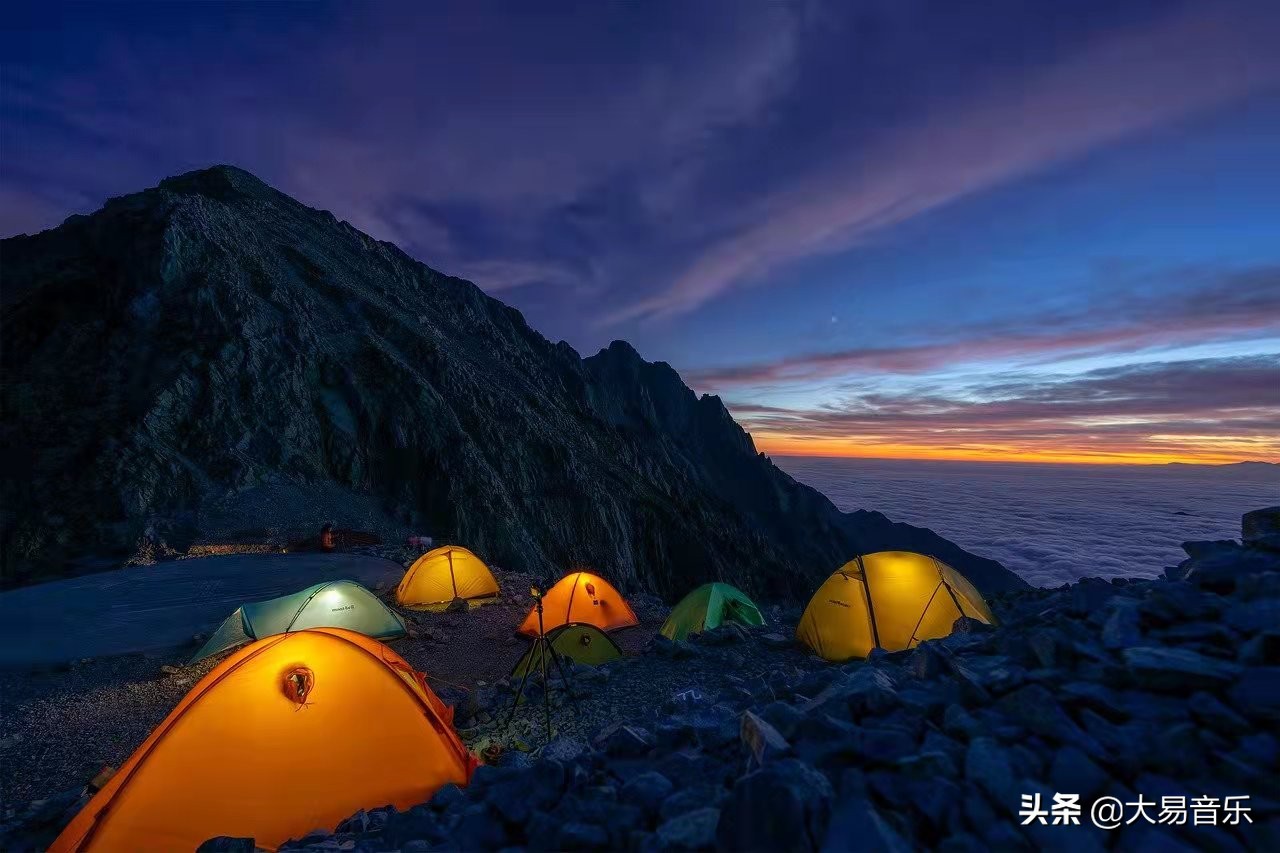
{"type": "Point", "coordinates": [1178, 670]}
{"type": "Point", "coordinates": [782, 807]}
{"type": "Point", "coordinates": [1261, 528]}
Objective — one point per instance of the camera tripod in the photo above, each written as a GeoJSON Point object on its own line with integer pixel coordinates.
{"type": "Point", "coordinates": [539, 653]}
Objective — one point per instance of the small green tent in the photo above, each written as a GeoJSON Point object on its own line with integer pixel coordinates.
{"type": "Point", "coordinates": [336, 604]}
{"type": "Point", "coordinates": [710, 606]}
{"type": "Point", "coordinates": [577, 641]}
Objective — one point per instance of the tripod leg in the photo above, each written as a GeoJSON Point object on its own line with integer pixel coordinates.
{"type": "Point", "coordinates": [568, 688]}
{"type": "Point", "coordinates": [519, 691]}
{"type": "Point", "coordinates": [546, 686]}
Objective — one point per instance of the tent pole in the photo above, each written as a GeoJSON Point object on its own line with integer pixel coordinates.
{"type": "Point", "coordinates": [871, 610]}
{"type": "Point", "coordinates": [568, 611]}
{"type": "Point", "coordinates": [950, 591]}
{"type": "Point", "coordinates": [304, 604]}
{"type": "Point", "coordinates": [452, 578]}
{"type": "Point", "coordinates": [923, 613]}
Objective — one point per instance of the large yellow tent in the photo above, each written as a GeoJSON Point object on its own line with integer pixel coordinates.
{"type": "Point", "coordinates": [294, 732]}
{"type": "Point", "coordinates": [581, 597]}
{"type": "Point", "coordinates": [440, 576]}
{"type": "Point", "coordinates": [890, 599]}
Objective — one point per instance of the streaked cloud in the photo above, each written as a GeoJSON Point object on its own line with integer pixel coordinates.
{"type": "Point", "coordinates": [1192, 60]}
{"type": "Point", "coordinates": [743, 174]}
{"type": "Point", "coordinates": [1212, 410]}
{"type": "Point", "coordinates": [1179, 307]}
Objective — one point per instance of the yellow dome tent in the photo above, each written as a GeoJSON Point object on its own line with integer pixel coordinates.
{"type": "Point", "coordinates": [440, 576]}
{"type": "Point", "coordinates": [296, 731]}
{"type": "Point", "coordinates": [580, 597]}
{"type": "Point", "coordinates": [890, 599]}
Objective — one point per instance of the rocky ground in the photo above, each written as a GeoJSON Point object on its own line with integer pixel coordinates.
{"type": "Point", "coordinates": [1138, 690]}
{"type": "Point", "coordinates": [60, 725]}
{"type": "Point", "coordinates": [740, 740]}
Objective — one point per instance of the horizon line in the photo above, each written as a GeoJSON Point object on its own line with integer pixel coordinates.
{"type": "Point", "coordinates": [1127, 460]}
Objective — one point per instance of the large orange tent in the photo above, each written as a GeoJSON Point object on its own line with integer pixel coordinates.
{"type": "Point", "coordinates": [294, 732]}
{"type": "Point", "coordinates": [581, 597]}
{"type": "Point", "coordinates": [891, 599]}
{"type": "Point", "coordinates": [440, 576]}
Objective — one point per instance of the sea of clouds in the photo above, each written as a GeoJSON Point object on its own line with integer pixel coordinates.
{"type": "Point", "coordinates": [1052, 523]}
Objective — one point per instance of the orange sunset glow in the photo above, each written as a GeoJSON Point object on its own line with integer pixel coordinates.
{"type": "Point", "coordinates": [1222, 450]}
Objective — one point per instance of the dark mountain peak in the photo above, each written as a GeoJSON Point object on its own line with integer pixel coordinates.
{"type": "Point", "coordinates": [622, 349]}
{"type": "Point", "coordinates": [621, 358]}
{"type": "Point", "coordinates": [211, 359]}
{"type": "Point", "coordinates": [220, 182]}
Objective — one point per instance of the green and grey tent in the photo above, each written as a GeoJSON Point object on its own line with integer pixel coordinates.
{"type": "Point", "coordinates": [578, 641]}
{"type": "Point", "coordinates": [336, 604]}
{"type": "Point", "coordinates": [710, 606]}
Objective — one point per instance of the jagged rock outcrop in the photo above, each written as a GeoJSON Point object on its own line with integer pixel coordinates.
{"type": "Point", "coordinates": [211, 357]}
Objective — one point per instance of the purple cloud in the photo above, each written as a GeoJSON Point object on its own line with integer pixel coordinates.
{"type": "Point", "coordinates": [1205, 404]}
{"type": "Point", "coordinates": [1193, 60]}
{"type": "Point", "coordinates": [1188, 306]}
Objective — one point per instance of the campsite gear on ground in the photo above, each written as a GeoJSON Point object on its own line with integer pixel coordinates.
{"type": "Point", "coordinates": [439, 577]}
{"type": "Point", "coordinates": [541, 656]}
{"type": "Point", "coordinates": [890, 599]}
{"type": "Point", "coordinates": [293, 732]}
{"type": "Point", "coordinates": [584, 644]}
{"type": "Point", "coordinates": [336, 604]}
{"type": "Point", "coordinates": [582, 597]}
{"type": "Point", "coordinates": [423, 543]}
{"type": "Point", "coordinates": [331, 539]}
{"type": "Point", "coordinates": [710, 606]}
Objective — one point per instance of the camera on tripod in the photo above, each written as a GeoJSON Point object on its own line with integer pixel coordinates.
{"type": "Point", "coordinates": [543, 657]}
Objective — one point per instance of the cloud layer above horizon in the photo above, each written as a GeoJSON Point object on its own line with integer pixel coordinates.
{"type": "Point", "coordinates": [875, 228]}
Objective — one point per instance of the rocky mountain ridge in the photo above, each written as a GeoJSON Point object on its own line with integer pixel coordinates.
{"type": "Point", "coordinates": [210, 357]}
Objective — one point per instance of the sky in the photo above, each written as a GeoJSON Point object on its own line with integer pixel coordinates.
{"type": "Point", "coordinates": [1001, 230]}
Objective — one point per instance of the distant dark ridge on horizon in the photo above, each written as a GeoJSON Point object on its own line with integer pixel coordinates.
{"type": "Point", "coordinates": [1248, 463]}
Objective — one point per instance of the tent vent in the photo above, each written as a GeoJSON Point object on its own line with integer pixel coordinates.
{"type": "Point", "coordinates": [298, 684]}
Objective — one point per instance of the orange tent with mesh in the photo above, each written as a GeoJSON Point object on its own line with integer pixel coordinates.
{"type": "Point", "coordinates": [581, 597]}
{"type": "Point", "coordinates": [294, 732]}
{"type": "Point", "coordinates": [440, 576]}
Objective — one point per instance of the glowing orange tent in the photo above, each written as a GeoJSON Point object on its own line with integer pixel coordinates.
{"type": "Point", "coordinates": [581, 597]}
{"type": "Point", "coordinates": [440, 576]}
{"type": "Point", "coordinates": [294, 732]}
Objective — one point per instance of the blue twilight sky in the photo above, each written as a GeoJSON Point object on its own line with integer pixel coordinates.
{"type": "Point", "coordinates": [1006, 229]}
